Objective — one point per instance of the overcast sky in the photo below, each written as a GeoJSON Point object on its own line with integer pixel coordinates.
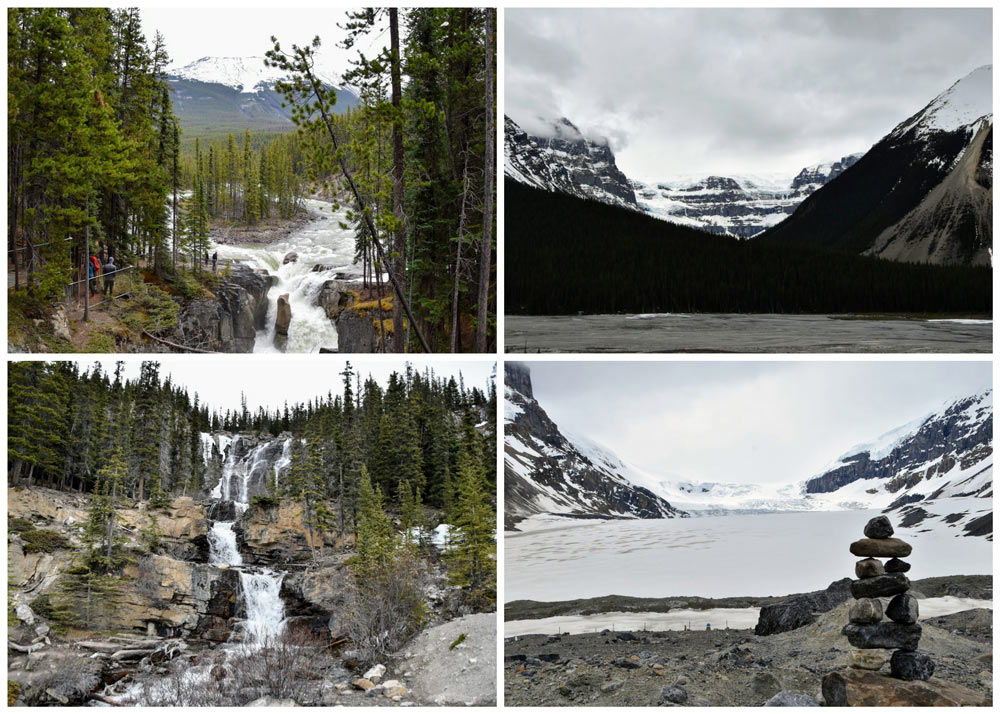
{"type": "Point", "coordinates": [735, 91]}
{"type": "Point", "coordinates": [268, 382]}
{"type": "Point", "coordinates": [744, 422]}
{"type": "Point", "coordinates": [193, 33]}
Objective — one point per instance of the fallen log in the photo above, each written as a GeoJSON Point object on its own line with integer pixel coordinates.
{"type": "Point", "coordinates": [106, 700]}
{"type": "Point", "coordinates": [131, 654]}
{"type": "Point", "coordinates": [25, 649]}
{"type": "Point", "coordinates": [177, 346]}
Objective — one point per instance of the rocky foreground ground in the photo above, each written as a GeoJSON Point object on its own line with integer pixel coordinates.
{"type": "Point", "coordinates": [722, 667]}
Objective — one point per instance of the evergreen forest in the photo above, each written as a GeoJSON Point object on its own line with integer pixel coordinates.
{"type": "Point", "coordinates": [99, 165]}
{"type": "Point", "coordinates": [566, 255]}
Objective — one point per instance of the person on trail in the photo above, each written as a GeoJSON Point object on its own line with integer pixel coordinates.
{"type": "Point", "coordinates": [206, 257]}
{"type": "Point", "coordinates": [215, 259]}
{"type": "Point", "coordinates": [94, 268]}
{"type": "Point", "coordinates": [109, 276]}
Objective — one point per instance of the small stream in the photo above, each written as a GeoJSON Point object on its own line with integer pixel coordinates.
{"type": "Point", "coordinates": [322, 241]}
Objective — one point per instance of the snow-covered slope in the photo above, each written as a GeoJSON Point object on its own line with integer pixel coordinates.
{"type": "Point", "coordinates": [740, 206]}
{"type": "Point", "coordinates": [934, 472]}
{"type": "Point", "coordinates": [244, 74]}
{"type": "Point", "coordinates": [924, 193]}
{"type": "Point", "coordinates": [966, 103]}
{"type": "Point", "coordinates": [544, 472]}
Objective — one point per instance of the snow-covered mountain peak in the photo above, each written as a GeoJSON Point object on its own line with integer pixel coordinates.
{"type": "Point", "coordinates": [244, 74]}
{"type": "Point", "coordinates": [963, 104]}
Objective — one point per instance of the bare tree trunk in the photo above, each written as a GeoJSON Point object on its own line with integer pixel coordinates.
{"type": "Point", "coordinates": [486, 252]}
{"type": "Point", "coordinates": [399, 258]}
{"type": "Point", "coordinates": [458, 256]}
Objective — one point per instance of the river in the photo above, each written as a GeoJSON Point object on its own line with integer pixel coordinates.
{"type": "Point", "coordinates": [705, 332]}
{"type": "Point", "coordinates": [322, 241]}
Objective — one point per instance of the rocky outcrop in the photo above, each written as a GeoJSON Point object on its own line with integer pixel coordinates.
{"type": "Point", "coordinates": [567, 162]}
{"type": "Point", "coordinates": [800, 610]}
{"type": "Point", "coordinates": [228, 321]}
{"type": "Point", "coordinates": [275, 535]}
{"type": "Point", "coordinates": [358, 325]}
{"type": "Point", "coordinates": [281, 321]}
{"type": "Point", "coordinates": [333, 297]}
{"type": "Point", "coordinates": [172, 598]}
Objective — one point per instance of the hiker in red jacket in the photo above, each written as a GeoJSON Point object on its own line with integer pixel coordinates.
{"type": "Point", "coordinates": [94, 270]}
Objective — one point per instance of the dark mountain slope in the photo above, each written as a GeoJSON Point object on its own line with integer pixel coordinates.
{"type": "Point", "coordinates": [567, 255]}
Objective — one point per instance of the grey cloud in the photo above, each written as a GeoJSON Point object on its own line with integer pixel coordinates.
{"type": "Point", "coordinates": [736, 91]}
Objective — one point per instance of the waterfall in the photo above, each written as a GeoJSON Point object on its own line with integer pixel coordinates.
{"type": "Point", "coordinates": [282, 463]}
{"type": "Point", "coordinates": [260, 588]}
{"type": "Point", "coordinates": [222, 548]}
{"type": "Point", "coordinates": [264, 608]}
{"type": "Point", "coordinates": [319, 242]}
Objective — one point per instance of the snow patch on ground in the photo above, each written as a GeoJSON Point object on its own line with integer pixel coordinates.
{"type": "Point", "coordinates": [717, 618]}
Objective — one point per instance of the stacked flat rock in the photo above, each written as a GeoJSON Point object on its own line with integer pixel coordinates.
{"type": "Point", "coordinates": [867, 631]}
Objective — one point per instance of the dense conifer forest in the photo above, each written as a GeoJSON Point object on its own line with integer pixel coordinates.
{"type": "Point", "coordinates": [420, 434]}
{"type": "Point", "coordinates": [99, 164]}
{"type": "Point", "coordinates": [566, 255]}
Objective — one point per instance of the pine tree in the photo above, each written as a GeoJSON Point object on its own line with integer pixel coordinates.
{"type": "Point", "coordinates": [376, 542]}
{"type": "Point", "coordinates": [472, 545]}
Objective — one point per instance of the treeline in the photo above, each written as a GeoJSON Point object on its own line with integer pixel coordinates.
{"type": "Point", "coordinates": [92, 144]}
{"type": "Point", "coordinates": [567, 255]}
{"type": "Point", "coordinates": [420, 433]}
{"type": "Point", "coordinates": [244, 180]}
{"type": "Point", "coordinates": [416, 164]}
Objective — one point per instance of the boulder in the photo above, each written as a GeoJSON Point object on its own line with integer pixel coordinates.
{"type": "Point", "coordinates": [363, 684]}
{"type": "Point", "coordinates": [903, 609]}
{"type": "Point", "coordinates": [673, 693]}
{"type": "Point", "coordinates": [791, 699]}
{"type": "Point", "coordinates": [880, 586]}
{"type": "Point", "coordinates": [855, 687]}
{"type": "Point", "coordinates": [884, 635]}
{"type": "Point", "coordinates": [911, 666]}
{"type": "Point", "coordinates": [800, 610]}
{"type": "Point", "coordinates": [878, 527]}
{"type": "Point", "coordinates": [881, 548]}
{"type": "Point", "coordinates": [868, 568]}
{"type": "Point", "coordinates": [376, 673]}
{"type": "Point", "coordinates": [866, 611]}
{"type": "Point", "coordinates": [895, 565]}
{"type": "Point", "coordinates": [25, 614]}
{"type": "Point", "coordinates": [291, 257]}
{"type": "Point", "coordinates": [273, 702]}
{"type": "Point", "coordinates": [765, 685]}
{"type": "Point", "coordinates": [867, 659]}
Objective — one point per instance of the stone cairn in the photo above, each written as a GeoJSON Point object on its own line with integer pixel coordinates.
{"type": "Point", "coordinates": [866, 631]}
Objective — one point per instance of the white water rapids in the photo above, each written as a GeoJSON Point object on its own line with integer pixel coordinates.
{"type": "Point", "coordinates": [320, 242]}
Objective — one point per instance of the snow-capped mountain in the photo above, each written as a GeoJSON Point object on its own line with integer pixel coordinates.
{"type": "Point", "coordinates": [220, 94]}
{"type": "Point", "coordinates": [933, 472]}
{"type": "Point", "coordinates": [244, 74]}
{"type": "Point", "coordinates": [565, 161]}
{"type": "Point", "coordinates": [740, 206]}
{"type": "Point", "coordinates": [924, 193]}
{"type": "Point", "coordinates": [544, 472]}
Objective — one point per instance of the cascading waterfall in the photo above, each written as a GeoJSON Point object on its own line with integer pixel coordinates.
{"type": "Point", "coordinates": [260, 588]}
{"type": "Point", "coordinates": [319, 242]}
{"type": "Point", "coordinates": [282, 463]}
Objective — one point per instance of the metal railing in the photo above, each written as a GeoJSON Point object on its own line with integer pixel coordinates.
{"type": "Point", "coordinates": [124, 278]}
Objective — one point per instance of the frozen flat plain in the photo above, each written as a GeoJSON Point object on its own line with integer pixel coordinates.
{"type": "Point", "coordinates": [719, 618]}
{"type": "Point", "coordinates": [705, 332]}
{"type": "Point", "coordinates": [768, 554]}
